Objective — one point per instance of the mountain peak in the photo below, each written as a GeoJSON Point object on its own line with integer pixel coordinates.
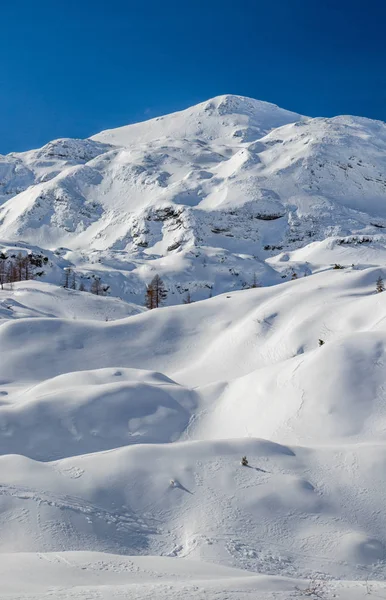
{"type": "Point", "coordinates": [233, 103]}
{"type": "Point", "coordinates": [222, 118]}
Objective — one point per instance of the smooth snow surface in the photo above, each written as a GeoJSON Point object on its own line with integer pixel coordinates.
{"type": "Point", "coordinates": [122, 429]}
{"type": "Point", "coordinates": [100, 576]}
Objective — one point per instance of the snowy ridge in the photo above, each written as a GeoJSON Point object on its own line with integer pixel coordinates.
{"type": "Point", "coordinates": [225, 119]}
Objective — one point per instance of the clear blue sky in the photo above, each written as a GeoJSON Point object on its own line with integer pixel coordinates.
{"type": "Point", "coordinates": [74, 67]}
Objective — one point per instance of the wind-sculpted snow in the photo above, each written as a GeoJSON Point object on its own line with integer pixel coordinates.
{"type": "Point", "coordinates": [90, 411]}
{"type": "Point", "coordinates": [171, 483]}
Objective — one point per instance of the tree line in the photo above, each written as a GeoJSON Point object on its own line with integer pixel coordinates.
{"type": "Point", "coordinates": [97, 287]}
{"type": "Point", "coordinates": [20, 267]}
{"type": "Point", "coordinates": [157, 293]}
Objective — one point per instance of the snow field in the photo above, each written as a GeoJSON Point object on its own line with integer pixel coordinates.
{"type": "Point", "coordinates": [311, 501]}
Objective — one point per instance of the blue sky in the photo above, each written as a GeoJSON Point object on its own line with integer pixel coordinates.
{"type": "Point", "coordinates": [73, 68]}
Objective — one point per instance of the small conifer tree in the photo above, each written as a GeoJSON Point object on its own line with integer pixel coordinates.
{"type": "Point", "coordinates": [380, 286]}
{"type": "Point", "coordinates": [156, 293]}
{"type": "Point", "coordinates": [97, 287]}
{"type": "Point", "coordinates": [255, 283]}
{"type": "Point", "coordinates": [67, 275]}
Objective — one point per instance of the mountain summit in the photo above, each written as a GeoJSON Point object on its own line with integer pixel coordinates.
{"type": "Point", "coordinates": [226, 119]}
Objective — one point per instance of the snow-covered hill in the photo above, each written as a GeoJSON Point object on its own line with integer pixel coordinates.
{"type": "Point", "coordinates": [310, 419]}
{"type": "Point", "coordinates": [122, 429]}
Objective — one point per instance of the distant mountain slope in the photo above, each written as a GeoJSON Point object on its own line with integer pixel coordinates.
{"type": "Point", "coordinates": [203, 196]}
{"type": "Point", "coordinates": [20, 170]}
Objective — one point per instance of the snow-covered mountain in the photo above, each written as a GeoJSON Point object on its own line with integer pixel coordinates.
{"type": "Point", "coordinates": [122, 428]}
{"type": "Point", "coordinates": [203, 196]}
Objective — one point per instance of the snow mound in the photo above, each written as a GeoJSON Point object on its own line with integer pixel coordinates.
{"type": "Point", "coordinates": [90, 411]}
{"type": "Point", "coordinates": [38, 299]}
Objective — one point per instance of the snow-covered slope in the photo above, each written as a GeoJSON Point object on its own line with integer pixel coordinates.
{"type": "Point", "coordinates": [38, 299]}
{"type": "Point", "coordinates": [20, 170]}
{"type": "Point", "coordinates": [203, 196]}
{"type": "Point", "coordinates": [102, 576]}
{"type": "Point", "coordinates": [224, 120]}
{"type": "Point", "coordinates": [310, 419]}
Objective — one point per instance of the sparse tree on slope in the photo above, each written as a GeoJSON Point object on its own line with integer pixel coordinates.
{"type": "Point", "coordinates": [156, 293]}
{"type": "Point", "coordinates": [96, 287]}
{"type": "Point", "coordinates": [380, 287]}
{"type": "Point", "coordinates": [255, 283]}
{"type": "Point", "coordinates": [11, 274]}
{"type": "Point", "coordinates": [3, 272]}
{"type": "Point", "coordinates": [67, 275]}
{"type": "Point", "coordinates": [19, 267]}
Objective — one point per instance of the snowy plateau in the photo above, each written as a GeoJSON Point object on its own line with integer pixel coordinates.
{"type": "Point", "coordinates": [122, 429]}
